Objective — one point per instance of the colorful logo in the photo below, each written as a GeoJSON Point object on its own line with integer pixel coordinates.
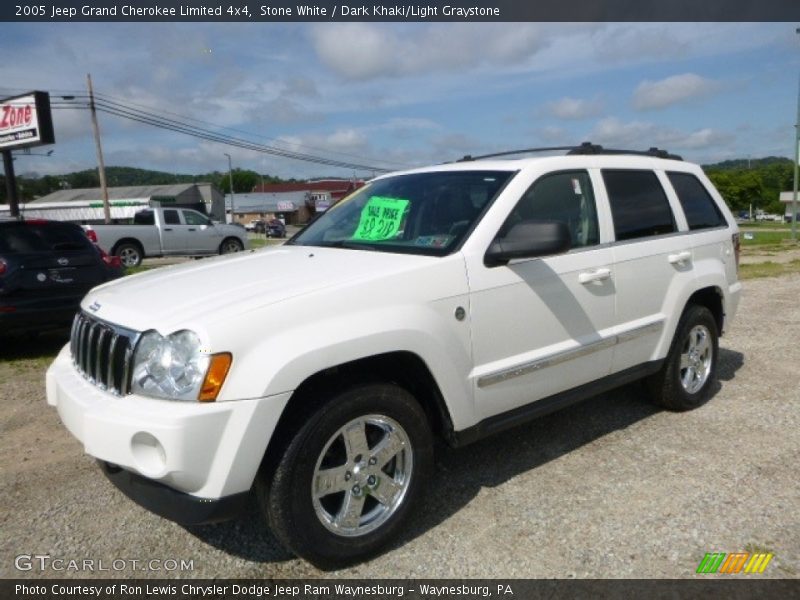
{"type": "Point", "coordinates": [736, 562]}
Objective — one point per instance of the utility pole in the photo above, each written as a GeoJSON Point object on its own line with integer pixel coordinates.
{"type": "Point", "coordinates": [230, 175]}
{"type": "Point", "coordinates": [11, 183]}
{"type": "Point", "coordinates": [796, 159]}
{"type": "Point", "coordinates": [101, 167]}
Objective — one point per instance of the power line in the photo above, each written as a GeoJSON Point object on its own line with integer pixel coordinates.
{"type": "Point", "coordinates": [130, 103]}
{"type": "Point", "coordinates": [126, 111]}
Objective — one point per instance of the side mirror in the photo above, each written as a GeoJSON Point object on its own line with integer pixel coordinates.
{"type": "Point", "coordinates": [529, 239]}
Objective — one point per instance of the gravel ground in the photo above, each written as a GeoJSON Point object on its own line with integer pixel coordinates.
{"type": "Point", "coordinates": [612, 487]}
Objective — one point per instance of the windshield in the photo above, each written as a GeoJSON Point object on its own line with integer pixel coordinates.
{"type": "Point", "coordinates": [419, 213]}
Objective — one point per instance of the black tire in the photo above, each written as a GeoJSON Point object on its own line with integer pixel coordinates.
{"type": "Point", "coordinates": [230, 245]}
{"type": "Point", "coordinates": [129, 253]}
{"type": "Point", "coordinates": [685, 387]}
{"type": "Point", "coordinates": [315, 526]}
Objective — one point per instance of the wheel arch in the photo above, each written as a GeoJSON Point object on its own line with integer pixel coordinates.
{"type": "Point", "coordinates": [128, 240]}
{"type": "Point", "coordinates": [228, 238]}
{"type": "Point", "coordinates": [403, 368]}
{"type": "Point", "coordinates": [712, 298]}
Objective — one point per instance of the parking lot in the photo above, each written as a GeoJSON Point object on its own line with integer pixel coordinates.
{"type": "Point", "coordinates": [613, 487]}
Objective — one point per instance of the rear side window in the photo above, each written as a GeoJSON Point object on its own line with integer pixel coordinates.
{"type": "Point", "coordinates": [144, 217]}
{"type": "Point", "coordinates": [699, 207]}
{"type": "Point", "coordinates": [171, 217]}
{"type": "Point", "coordinates": [639, 205]}
{"type": "Point", "coordinates": [25, 237]}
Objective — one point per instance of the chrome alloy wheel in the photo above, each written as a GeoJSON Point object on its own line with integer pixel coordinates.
{"type": "Point", "coordinates": [362, 475]}
{"type": "Point", "coordinates": [696, 359]}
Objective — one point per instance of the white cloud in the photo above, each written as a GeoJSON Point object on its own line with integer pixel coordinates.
{"type": "Point", "coordinates": [575, 108]}
{"type": "Point", "coordinates": [612, 132]}
{"type": "Point", "coordinates": [651, 95]}
{"type": "Point", "coordinates": [363, 51]}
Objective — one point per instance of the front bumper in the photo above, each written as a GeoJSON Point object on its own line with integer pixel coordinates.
{"type": "Point", "coordinates": [172, 504]}
{"type": "Point", "coordinates": [207, 450]}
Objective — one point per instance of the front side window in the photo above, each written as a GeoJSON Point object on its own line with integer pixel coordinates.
{"type": "Point", "coordinates": [699, 207]}
{"type": "Point", "coordinates": [193, 218]}
{"type": "Point", "coordinates": [419, 213]}
{"type": "Point", "coordinates": [566, 197]}
{"type": "Point", "coordinates": [639, 205]}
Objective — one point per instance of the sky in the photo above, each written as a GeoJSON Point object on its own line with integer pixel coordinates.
{"type": "Point", "coordinates": [408, 94]}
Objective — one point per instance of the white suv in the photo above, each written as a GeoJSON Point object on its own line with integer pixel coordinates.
{"type": "Point", "coordinates": [453, 301]}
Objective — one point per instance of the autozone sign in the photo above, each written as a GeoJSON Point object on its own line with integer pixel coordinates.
{"type": "Point", "coordinates": [25, 121]}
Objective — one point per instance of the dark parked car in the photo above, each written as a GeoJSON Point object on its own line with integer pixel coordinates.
{"type": "Point", "coordinates": [276, 228]}
{"type": "Point", "coordinates": [46, 268]}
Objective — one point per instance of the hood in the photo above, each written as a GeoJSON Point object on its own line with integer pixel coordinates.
{"type": "Point", "coordinates": [179, 296]}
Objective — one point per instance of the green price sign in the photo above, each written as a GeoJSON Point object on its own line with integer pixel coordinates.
{"type": "Point", "coordinates": [381, 218]}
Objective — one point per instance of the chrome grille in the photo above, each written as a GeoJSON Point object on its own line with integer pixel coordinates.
{"type": "Point", "coordinates": [103, 353]}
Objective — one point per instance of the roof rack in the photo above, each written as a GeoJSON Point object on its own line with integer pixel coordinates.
{"type": "Point", "coordinates": [589, 148]}
{"type": "Point", "coordinates": [583, 149]}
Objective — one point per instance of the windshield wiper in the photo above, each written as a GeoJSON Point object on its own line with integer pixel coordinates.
{"type": "Point", "coordinates": [349, 244]}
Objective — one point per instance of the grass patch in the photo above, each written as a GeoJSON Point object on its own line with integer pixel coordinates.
{"type": "Point", "coordinates": [140, 269]}
{"type": "Point", "coordinates": [262, 242]}
{"type": "Point", "coordinates": [760, 238]}
{"type": "Point", "coordinates": [768, 269]}
{"type": "Point", "coordinates": [762, 225]}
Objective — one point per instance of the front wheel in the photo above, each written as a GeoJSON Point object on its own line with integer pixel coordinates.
{"type": "Point", "coordinates": [230, 245]}
{"type": "Point", "coordinates": [686, 379]}
{"type": "Point", "coordinates": [349, 477]}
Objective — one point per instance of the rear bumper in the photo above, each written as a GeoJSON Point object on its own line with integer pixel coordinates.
{"type": "Point", "coordinates": [37, 315]}
{"type": "Point", "coordinates": [172, 504]}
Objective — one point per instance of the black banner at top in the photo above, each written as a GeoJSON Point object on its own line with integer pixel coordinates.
{"type": "Point", "coordinates": [399, 11]}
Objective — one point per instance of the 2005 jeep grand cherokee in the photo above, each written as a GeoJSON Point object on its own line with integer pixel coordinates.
{"type": "Point", "coordinates": [452, 301]}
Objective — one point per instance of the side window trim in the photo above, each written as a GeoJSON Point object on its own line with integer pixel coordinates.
{"type": "Point", "coordinates": [674, 202]}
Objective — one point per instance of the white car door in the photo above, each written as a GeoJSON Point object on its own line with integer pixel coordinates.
{"type": "Point", "coordinates": [652, 261]}
{"type": "Point", "coordinates": [544, 325]}
{"type": "Point", "coordinates": [201, 237]}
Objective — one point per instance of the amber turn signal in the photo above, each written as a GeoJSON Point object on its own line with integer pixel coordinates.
{"type": "Point", "coordinates": [215, 376]}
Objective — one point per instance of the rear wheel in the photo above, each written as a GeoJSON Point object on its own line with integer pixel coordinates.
{"type": "Point", "coordinates": [230, 245]}
{"type": "Point", "coordinates": [347, 480]}
{"type": "Point", "coordinates": [686, 379]}
{"type": "Point", "coordinates": [130, 254]}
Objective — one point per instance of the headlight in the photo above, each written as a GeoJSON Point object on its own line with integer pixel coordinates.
{"type": "Point", "coordinates": [170, 367]}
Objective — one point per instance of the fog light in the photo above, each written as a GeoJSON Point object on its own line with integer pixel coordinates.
{"type": "Point", "coordinates": [150, 456]}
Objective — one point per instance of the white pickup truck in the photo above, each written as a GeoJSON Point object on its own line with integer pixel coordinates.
{"type": "Point", "coordinates": [448, 302]}
{"type": "Point", "coordinates": [167, 232]}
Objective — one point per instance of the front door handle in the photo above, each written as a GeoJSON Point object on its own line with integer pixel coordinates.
{"type": "Point", "coordinates": [596, 275]}
{"type": "Point", "coordinates": [192, 229]}
{"type": "Point", "coordinates": [680, 257]}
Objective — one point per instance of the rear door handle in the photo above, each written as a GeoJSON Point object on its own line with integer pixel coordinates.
{"type": "Point", "coordinates": [192, 229]}
{"type": "Point", "coordinates": [168, 229]}
{"type": "Point", "coordinates": [596, 275]}
{"type": "Point", "coordinates": [680, 257]}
